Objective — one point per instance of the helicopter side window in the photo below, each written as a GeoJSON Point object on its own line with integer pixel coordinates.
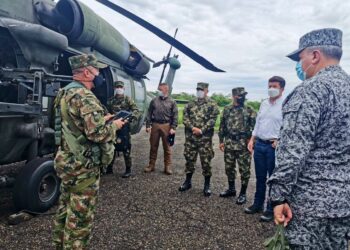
{"type": "Point", "coordinates": [139, 91]}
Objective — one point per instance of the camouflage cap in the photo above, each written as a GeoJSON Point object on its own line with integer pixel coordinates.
{"type": "Point", "coordinates": [81, 61]}
{"type": "Point", "coordinates": [202, 85]}
{"type": "Point", "coordinates": [118, 84]}
{"type": "Point", "coordinates": [238, 91]}
{"type": "Point", "coordinates": [321, 37]}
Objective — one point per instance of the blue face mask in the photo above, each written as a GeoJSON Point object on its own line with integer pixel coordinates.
{"type": "Point", "coordinates": [300, 72]}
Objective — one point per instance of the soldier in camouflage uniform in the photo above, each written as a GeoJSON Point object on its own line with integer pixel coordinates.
{"type": "Point", "coordinates": [236, 126]}
{"type": "Point", "coordinates": [85, 144]}
{"type": "Point", "coordinates": [310, 186]}
{"type": "Point", "coordinates": [199, 118]}
{"type": "Point", "coordinates": [115, 104]}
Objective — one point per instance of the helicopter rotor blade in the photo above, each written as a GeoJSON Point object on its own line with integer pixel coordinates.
{"type": "Point", "coordinates": [161, 34]}
{"type": "Point", "coordinates": [157, 64]}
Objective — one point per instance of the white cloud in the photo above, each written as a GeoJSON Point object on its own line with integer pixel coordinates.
{"type": "Point", "coordinates": [248, 39]}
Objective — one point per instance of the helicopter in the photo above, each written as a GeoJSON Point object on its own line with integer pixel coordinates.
{"type": "Point", "coordinates": [37, 38]}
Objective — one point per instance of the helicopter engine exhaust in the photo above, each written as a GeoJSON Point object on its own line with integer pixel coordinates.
{"type": "Point", "coordinates": [84, 28]}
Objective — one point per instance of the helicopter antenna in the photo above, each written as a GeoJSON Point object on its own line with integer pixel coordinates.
{"type": "Point", "coordinates": [165, 60]}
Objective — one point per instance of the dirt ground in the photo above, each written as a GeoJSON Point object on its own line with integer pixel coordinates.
{"type": "Point", "coordinates": [147, 211]}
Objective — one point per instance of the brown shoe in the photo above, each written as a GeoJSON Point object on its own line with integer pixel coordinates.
{"type": "Point", "coordinates": [149, 169]}
{"type": "Point", "coordinates": [167, 170]}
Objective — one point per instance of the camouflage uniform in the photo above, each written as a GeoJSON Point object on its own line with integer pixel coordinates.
{"type": "Point", "coordinates": [201, 113]}
{"type": "Point", "coordinates": [236, 126]}
{"type": "Point", "coordinates": [312, 170]}
{"type": "Point", "coordinates": [122, 102]}
{"type": "Point", "coordinates": [80, 171]}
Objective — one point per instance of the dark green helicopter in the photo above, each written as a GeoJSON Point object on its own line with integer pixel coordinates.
{"type": "Point", "coordinates": [36, 39]}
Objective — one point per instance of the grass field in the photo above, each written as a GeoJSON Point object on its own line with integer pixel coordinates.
{"type": "Point", "coordinates": [180, 118]}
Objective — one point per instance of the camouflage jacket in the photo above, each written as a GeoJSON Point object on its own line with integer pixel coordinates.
{"type": "Point", "coordinates": [236, 126]}
{"type": "Point", "coordinates": [312, 170]}
{"type": "Point", "coordinates": [122, 102]}
{"type": "Point", "coordinates": [201, 113]}
{"type": "Point", "coordinates": [87, 113]}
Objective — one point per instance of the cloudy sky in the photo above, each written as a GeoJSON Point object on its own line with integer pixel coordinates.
{"type": "Point", "coordinates": [248, 39]}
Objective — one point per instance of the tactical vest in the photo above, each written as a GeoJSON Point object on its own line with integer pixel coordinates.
{"type": "Point", "coordinates": [88, 153]}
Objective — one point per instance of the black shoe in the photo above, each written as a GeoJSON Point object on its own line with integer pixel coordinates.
{"type": "Point", "coordinates": [187, 184]}
{"type": "Point", "coordinates": [266, 216]}
{"type": "Point", "coordinates": [253, 209]}
{"type": "Point", "coordinates": [108, 170]}
{"type": "Point", "coordinates": [127, 174]}
{"type": "Point", "coordinates": [242, 198]}
{"type": "Point", "coordinates": [206, 189]}
{"type": "Point", "coordinates": [228, 193]}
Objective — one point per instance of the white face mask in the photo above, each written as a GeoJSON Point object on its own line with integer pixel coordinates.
{"type": "Point", "coordinates": [119, 91]}
{"type": "Point", "coordinates": [200, 93]}
{"type": "Point", "coordinates": [273, 92]}
{"type": "Point", "coordinates": [160, 93]}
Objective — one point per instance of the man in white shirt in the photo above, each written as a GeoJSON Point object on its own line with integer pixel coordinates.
{"type": "Point", "coordinates": [263, 142]}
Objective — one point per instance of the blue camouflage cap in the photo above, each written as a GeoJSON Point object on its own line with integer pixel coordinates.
{"type": "Point", "coordinates": [321, 37]}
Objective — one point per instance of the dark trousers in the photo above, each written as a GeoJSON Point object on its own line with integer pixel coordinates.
{"type": "Point", "coordinates": [264, 159]}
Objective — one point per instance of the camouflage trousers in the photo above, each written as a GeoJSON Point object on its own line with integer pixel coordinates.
{"type": "Point", "coordinates": [310, 233]}
{"type": "Point", "coordinates": [75, 214]}
{"type": "Point", "coordinates": [243, 159]}
{"type": "Point", "coordinates": [205, 150]}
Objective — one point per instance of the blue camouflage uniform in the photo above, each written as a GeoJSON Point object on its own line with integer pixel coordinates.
{"type": "Point", "coordinates": [312, 171]}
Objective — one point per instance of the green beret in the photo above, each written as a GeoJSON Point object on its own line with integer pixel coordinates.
{"type": "Point", "coordinates": [85, 60]}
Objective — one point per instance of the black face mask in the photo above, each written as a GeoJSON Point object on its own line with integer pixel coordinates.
{"type": "Point", "coordinates": [240, 101]}
{"type": "Point", "coordinates": [98, 81]}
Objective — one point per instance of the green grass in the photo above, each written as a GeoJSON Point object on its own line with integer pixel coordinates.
{"type": "Point", "coordinates": [180, 117]}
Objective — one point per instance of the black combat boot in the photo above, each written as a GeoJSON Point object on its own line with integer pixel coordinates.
{"type": "Point", "coordinates": [206, 190]}
{"type": "Point", "coordinates": [231, 191]}
{"type": "Point", "coordinates": [108, 170]}
{"type": "Point", "coordinates": [127, 173]}
{"type": "Point", "coordinates": [187, 184]}
{"type": "Point", "coordinates": [242, 198]}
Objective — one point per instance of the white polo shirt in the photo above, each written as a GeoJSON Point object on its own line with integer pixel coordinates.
{"type": "Point", "coordinates": [269, 120]}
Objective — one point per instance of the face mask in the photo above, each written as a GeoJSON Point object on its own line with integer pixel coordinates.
{"type": "Point", "coordinates": [300, 72]}
{"type": "Point", "coordinates": [273, 92]}
{"type": "Point", "coordinates": [119, 91]}
{"type": "Point", "coordinates": [98, 81]}
{"type": "Point", "coordinates": [200, 94]}
{"type": "Point", "coordinates": [160, 93]}
{"type": "Point", "coordinates": [240, 101]}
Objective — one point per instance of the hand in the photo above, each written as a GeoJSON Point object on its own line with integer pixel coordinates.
{"type": "Point", "coordinates": [222, 147]}
{"type": "Point", "coordinates": [119, 123]}
{"type": "Point", "coordinates": [196, 131]}
{"type": "Point", "coordinates": [108, 117]}
{"type": "Point", "coordinates": [148, 130]}
{"type": "Point", "coordinates": [172, 131]}
{"type": "Point", "coordinates": [251, 146]}
{"type": "Point", "coordinates": [274, 144]}
{"type": "Point", "coordinates": [283, 214]}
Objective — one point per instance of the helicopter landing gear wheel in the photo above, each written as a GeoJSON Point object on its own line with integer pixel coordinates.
{"type": "Point", "coordinates": [37, 186]}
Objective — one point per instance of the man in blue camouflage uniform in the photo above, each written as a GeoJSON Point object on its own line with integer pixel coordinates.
{"type": "Point", "coordinates": [199, 118]}
{"type": "Point", "coordinates": [310, 187]}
